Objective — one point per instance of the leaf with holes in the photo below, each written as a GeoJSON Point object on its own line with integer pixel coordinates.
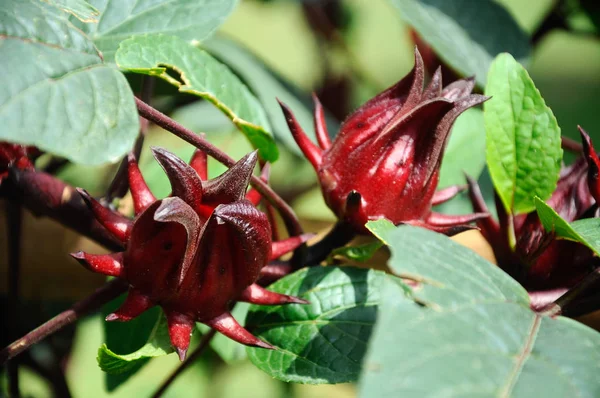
{"type": "Point", "coordinates": [523, 145]}
{"type": "Point", "coordinates": [466, 34]}
{"type": "Point", "coordinates": [204, 76]}
{"type": "Point", "coordinates": [586, 231]}
{"type": "Point", "coordinates": [324, 341]}
{"type": "Point", "coordinates": [269, 87]}
{"type": "Point", "coordinates": [191, 20]}
{"type": "Point", "coordinates": [57, 94]}
{"type": "Point", "coordinates": [474, 335]}
{"type": "Point", "coordinates": [80, 9]}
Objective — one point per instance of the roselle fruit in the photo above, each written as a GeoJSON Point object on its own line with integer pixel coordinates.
{"type": "Point", "coordinates": [538, 260]}
{"type": "Point", "coordinates": [385, 160]}
{"type": "Point", "coordinates": [193, 253]}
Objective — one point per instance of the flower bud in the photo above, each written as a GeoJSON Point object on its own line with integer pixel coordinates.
{"type": "Point", "coordinates": [193, 253]}
{"type": "Point", "coordinates": [385, 160]}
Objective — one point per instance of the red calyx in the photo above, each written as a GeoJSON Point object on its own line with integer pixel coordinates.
{"type": "Point", "coordinates": [193, 253]}
{"type": "Point", "coordinates": [538, 260]}
{"type": "Point", "coordinates": [385, 161]}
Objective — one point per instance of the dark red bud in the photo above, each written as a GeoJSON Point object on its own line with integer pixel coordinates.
{"type": "Point", "coordinates": [194, 252]}
{"type": "Point", "coordinates": [385, 161]}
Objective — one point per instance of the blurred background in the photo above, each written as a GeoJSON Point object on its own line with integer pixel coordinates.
{"type": "Point", "coordinates": [344, 50]}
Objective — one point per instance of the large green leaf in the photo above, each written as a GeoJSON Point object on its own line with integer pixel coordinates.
{"type": "Point", "coordinates": [158, 344]}
{"type": "Point", "coordinates": [324, 341]}
{"type": "Point", "coordinates": [586, 231]}
{"type": "Point", "coordinates": [269, 87]}
{"type": "Point", "coordinates": [57, 94]}
{"type": "Point", "coordinates": [200, 75]}
{"type": "Point", "coordinates": [468, 135]}
{"type": "Point", "coordinates": [80, 9]}
{"type": "Point", "coordinates": [523, 145]}
{"type": "Point", "coordinates": [473, 335]}
{"type": "Point", "coordinates": [192, 20]}
{"type": "Point", "coordinates": [466, 34]}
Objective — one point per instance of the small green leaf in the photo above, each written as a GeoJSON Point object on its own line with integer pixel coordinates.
{"type": "Point", "coordinates": [57, 94]}
{"type": "Point", "coordinates": [360, 253]}
{"type": "Point", "coordinates": [80, 9]}
{"type": "Point", "coordinates": [474, 333]}
{"type": "Point", "coordinates": [204, 76]}
{"type": "Point", "coordinates": [467, 34]}
{"type": "Point", "coordinates": [191, 20]}
{"type": "Point", "coordinates": [158, 344]}
{"type": "Point", "coordinates": [522, 135]}
{"type": "Point", "coordinates": [586, 232]}
{"type": "Point", "coordinates": [468, 134]}
{"type": "Point", "coordinates": [324, 341]}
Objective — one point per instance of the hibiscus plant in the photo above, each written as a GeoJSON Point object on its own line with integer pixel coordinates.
{"type": "Point", "coordinates": [429, 231]}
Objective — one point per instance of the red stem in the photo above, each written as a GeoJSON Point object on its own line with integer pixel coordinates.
{"type": "Point", "coordinates": [101, 296]}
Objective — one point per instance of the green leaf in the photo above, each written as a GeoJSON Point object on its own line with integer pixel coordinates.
{"type": "Point", "coordinates": [191, 20]}
{"type": "Point", "coordinates": [80, 9]}
{"type": "Point", "coordinates": [522, 135]}
{"type": "Point", "coordinates": [126, 337]}
{"type": "Point", "coordinates": [468, 134]}
{"type": "Point", "coordinates": [86, 379]}
{"type": "Point", "coordinates": [269, 87]}
{"type": "Point", "coordinates": [586, 231]}
{"type": "Point", "coordinates": [204, 76]}
{"type": "Point", "coordinates": [466, 34]}
{"type": "Point", "coordinates": [324, 341]}
{"type": "Point", "coordinates": [57, 94]}
{"type": "Point", "coordinates": [474, 333]}
{"type": "Point", "coordinates": [360, 253]}
{"type": "Point", "coordinates": [158, 344]}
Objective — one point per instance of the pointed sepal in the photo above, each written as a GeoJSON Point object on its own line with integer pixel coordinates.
{"type": "Point", "coordinates": [320, 125]}
{"type": "Point", "coordinates": [231, 186]}
{"type": "Point", "coordinates": [105, 264]}
{"type": "Point", "coordinates": [142, 195]}
{"type": "Point", "coordinates": [135, 304]}
{"type": "Point", "coordinates": [174, 209]}
{"type": "Point", "coordinates": [593, 162]}
{"type": "Point", "coordinates": [228, 326]}
{"type": "Point", "coordinates": [116, 224]}
{"type": "Point", "coordinates": [259, 295]}
{"type": "Point", "coordinates": [181, 327]}
{"type": "Point", "coordinates": [184, 180]}
{"type": "Point", "coordinates": [288, 245]}
{"type": "Point", "coordinates": [444, 195]}
{"type": "Point", "coordinates": [312, 152]}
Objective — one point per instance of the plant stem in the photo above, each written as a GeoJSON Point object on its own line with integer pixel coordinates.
{"type": "Point", "coordinates": [340, 234]}
{"type": "Point", "coordinates": [190, 359]}
{"type": "Point", "coordinates": [160, 119]}
{"type": "Point", "coordinates": [46, 195]}
{"type": "Point", "coordinates": [14, 218]}
{"type": "Point", "coordinates": [571, 145]}
{"type": "Point", "coordinates": [120, 183]}
{"type": "Point", "coordinates": [565, 303]}
{"type": "Point", "coordinates": [90, 304]}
